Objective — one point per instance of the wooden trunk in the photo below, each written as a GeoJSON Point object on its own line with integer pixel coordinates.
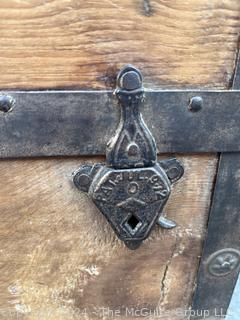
{"type": "Point", "coordinates": [59, 258]}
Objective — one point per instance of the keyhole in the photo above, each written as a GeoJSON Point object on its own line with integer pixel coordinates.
{"type": "Point", "coordinates": [133, 224]}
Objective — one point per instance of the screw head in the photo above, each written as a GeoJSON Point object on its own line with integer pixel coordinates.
{"type": "Point", "coordinates": [195, 104]}
{"type": "Point", "coordinates": [6, 103]}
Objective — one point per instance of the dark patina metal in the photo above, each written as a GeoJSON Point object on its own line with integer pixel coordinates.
{"type": "Point", "coordinates": [220, 262]}
{"type": "Point", "coordinates": [6, 103]}
{"type": "Point", "coordinates": [132, 188]}
{"type": "Point", "coordinates": [223, 262]}
{"type": "Point", "coordinates": [195, 104]}
{"type": "Point", "coordinates": [219, 266]}
{"type": "Point", "coordinates": [60, 123]}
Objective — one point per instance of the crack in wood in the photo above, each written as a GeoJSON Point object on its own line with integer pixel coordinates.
{"type": "Point", "coordinates": [165, 274]}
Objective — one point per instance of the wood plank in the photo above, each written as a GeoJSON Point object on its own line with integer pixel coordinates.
{"type": "Point", "coordinates": [59, 255]}
{"type": "Point", "coordinates": [81, 44]}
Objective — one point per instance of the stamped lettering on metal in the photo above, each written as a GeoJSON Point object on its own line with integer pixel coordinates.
{"type": "Point", "coordinates": [132, 188]}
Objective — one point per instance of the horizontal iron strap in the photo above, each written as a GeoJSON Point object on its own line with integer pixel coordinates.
{"type": "Point", "coordinates": [67, 123]}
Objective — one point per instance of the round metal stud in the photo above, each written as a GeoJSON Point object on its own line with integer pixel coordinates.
{"type": "Point", "coordinates": [196, 104]}
{"type": "Point", "coordinates": [173, 172]}
{"type": "Point", "coordinates": [130, 81]}
{"type": "Point", "coordinates": [223, 262]}
{"type": "Point", "coordinates": [82, 181]}
{"type": "Point", "coordinates": [6, 103]}
{"type": "Point", "coordinates": [129, 78]}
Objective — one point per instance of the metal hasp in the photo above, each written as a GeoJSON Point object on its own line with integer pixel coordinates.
{"type": "Point", "coordinates": [132, 188]}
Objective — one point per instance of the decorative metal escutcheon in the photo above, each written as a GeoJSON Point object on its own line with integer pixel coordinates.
{"type": "Point", "coordinates": [132, 188]}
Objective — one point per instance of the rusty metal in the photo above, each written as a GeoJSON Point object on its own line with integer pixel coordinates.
{"type": "Point", "coordinates": [132, 188]}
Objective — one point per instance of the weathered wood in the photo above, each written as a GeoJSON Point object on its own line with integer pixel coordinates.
{"type": "Point", "coordinates": [58, 254]}
{"type": "Point", "coordinates": [82, 44]}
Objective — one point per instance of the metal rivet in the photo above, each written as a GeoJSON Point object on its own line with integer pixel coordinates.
{"type": "Point", "coordinates": [195, 104]}
{"type": "Point", "coordinates": [130, 80]}
{"type": "Point", "coordinates": [173, 173]}
{"type": "Point", "coordinates": [223, 262]}
{"type": "Point", "coordinates": [6, 103]}
{"type": "Point", "coordinates": [133, 150]}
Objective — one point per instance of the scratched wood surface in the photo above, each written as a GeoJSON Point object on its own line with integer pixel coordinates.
{"type": "Point", "coordinates": [59, 258]}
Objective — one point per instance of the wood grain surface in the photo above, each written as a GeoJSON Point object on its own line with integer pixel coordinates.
{"type": "Point", "coordinates": [59, 258]}
{"type": "Point", "coordinates": [81, 44]}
